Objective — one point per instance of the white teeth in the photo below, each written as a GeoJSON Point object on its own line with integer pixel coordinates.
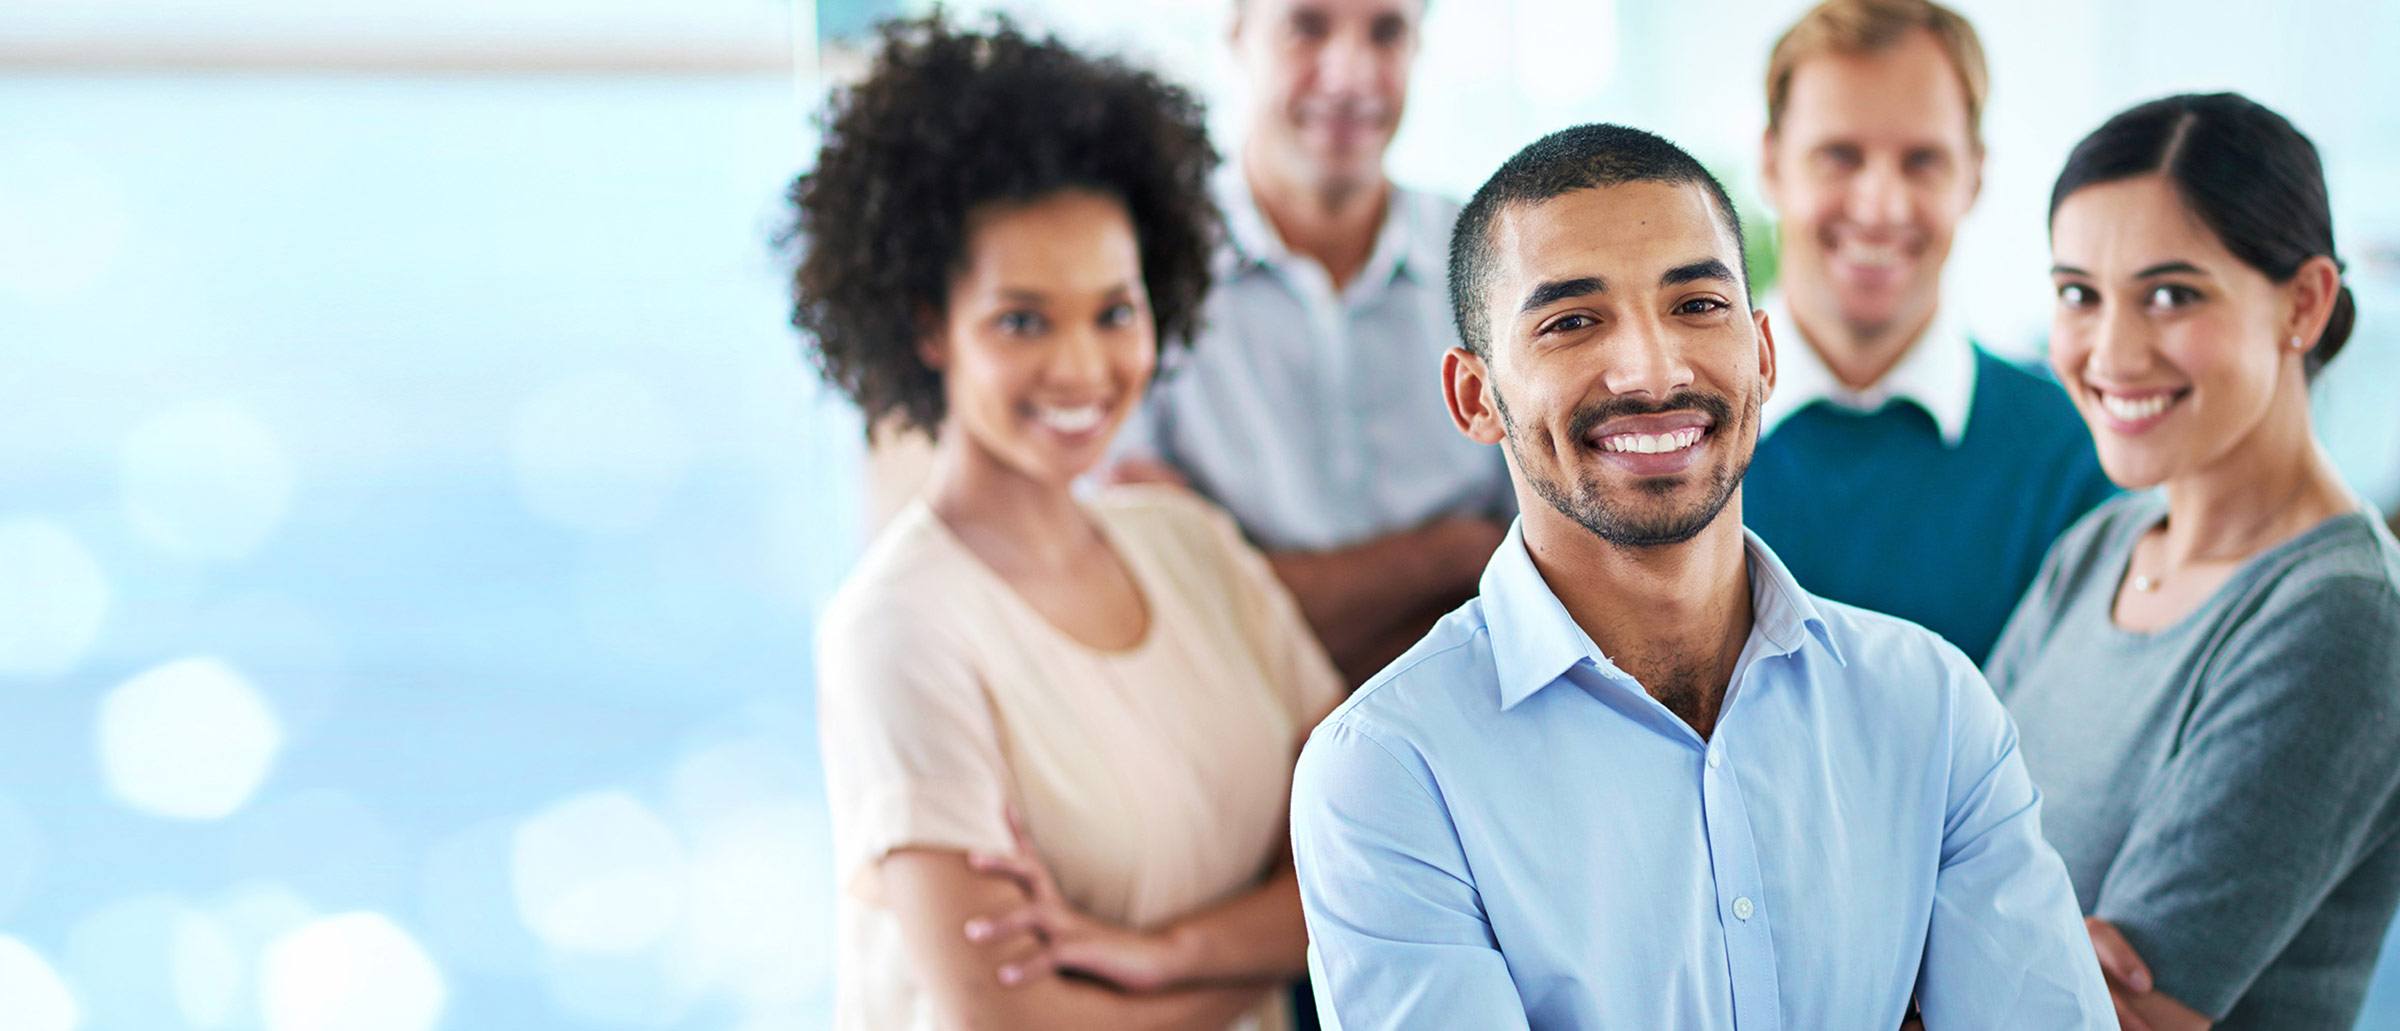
{"type": "Point", "coordinates": [1071, 420]}
{"type": "Point", "coordinates": [2129, 409]}
{"type": "Point", "coordinates": [1875, 257]}
{"type": "Point", "coordinates": [1651, 443]}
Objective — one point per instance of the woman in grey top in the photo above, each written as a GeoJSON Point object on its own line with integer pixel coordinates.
{"type": "Point", "coordinates": [2206, 677]}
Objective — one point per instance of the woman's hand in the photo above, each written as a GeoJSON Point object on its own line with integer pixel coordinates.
{"type": "Point", "coordinates": [1072, 942]}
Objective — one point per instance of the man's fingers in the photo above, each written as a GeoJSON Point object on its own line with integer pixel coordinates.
{"type": "Point", "coordinates": [2127, 1019]}
{"type": "Point", "coordinates": [2117, 956]}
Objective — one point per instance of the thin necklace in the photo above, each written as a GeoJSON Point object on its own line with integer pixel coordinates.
{"type": "Point", "coordinates": [2150, 584]}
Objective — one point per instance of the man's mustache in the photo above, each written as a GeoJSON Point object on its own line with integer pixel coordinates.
{"type": "Point", "coordinates": [1589, 417]}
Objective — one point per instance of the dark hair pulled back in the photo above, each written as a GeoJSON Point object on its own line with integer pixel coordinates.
{"type": "Point", "coordinates": [2249, 175]}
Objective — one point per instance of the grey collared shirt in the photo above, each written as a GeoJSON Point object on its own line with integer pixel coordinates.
{"type": "Point", "coordinates": [1315, 416]}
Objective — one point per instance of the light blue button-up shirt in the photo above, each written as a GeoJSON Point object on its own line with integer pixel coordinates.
{"type": "Point", "coordinates": [1503, 829]}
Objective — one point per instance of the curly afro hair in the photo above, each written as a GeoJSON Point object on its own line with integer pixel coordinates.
{"type": "Point", "coordinates": [948, 120]}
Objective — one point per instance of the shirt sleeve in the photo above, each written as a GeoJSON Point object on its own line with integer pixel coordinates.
{"type": "Point", "coordinates": [2273, 797]}
{"type": "Point", "coordinates": [1399, 932]}
{"type": "Point", "coordinates": [2006, 946]}
{"type": "Point", "coordinates": [911, 749]}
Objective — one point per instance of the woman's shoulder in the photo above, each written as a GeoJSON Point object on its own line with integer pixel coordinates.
{"type": "Point", "coordinates": [2347, 566]}
{"type": "Point", "coordinates": [911, 567]}
{"type": "Point", "coordinates": [1198, 545]}
{"type": "Point", "coordinates": [2322, 616]}
{"type": "Point", "coordinates": [1160, 515]}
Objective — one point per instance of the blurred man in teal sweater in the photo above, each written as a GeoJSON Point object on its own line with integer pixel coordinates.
{"type": "Point", "coordinates": [1902, 467]}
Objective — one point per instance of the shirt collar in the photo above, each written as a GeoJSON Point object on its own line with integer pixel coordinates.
{"type": "Point", "coordinates": [1535, 641]}
{"type": "Point", "coordinates": [1409, 243]}
{"type": "Point", "coordinates": [1937, 374]}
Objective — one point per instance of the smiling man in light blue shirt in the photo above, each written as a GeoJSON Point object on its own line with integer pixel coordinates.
{"type": "Point", "coordinates": [1645, 780]}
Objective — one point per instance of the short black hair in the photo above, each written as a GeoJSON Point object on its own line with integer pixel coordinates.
{"type": "Point", "coordinates": [949, 119]}
{"type": "Point", "coordinates": [2251, 176]}
{"type": "Point", "coordinates": [1585, 156]}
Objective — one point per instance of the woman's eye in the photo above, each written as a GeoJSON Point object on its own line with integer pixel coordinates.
{"type": "Point", "coordinates": [2076, 295]}
{"type": "Point", "coordinates": [1022, 323]}
{"type": "Point", "coordinates": [1701, 306]}
{"type": "Point", "coordinates": [1117, 316]}
{"type": "Point", "coordinates": [2172, 295]}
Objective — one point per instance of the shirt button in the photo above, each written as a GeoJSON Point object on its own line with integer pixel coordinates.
{"type": "Point", "coordinates": [1742, 908]}
{"type": "Point", "coordinates": [1715, 759]}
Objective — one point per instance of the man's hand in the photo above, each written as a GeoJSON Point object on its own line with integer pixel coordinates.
{"type": "Point", "coordinates": [1468, 542]}
{"type": "Point", "coordinates": [2140, 1006]}
{"type": "Point", "coordinates": [1072, 942]}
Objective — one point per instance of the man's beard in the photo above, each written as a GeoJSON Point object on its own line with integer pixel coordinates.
{"type": "Point", "coordinates": [1588, 503]}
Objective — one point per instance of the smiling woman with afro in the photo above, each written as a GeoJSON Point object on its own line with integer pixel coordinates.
{"type": "Point", "coordinates": [1058, 729]}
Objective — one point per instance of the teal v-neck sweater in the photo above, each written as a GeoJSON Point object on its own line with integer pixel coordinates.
{"type": "Point", "coordinates": [1873, 509]}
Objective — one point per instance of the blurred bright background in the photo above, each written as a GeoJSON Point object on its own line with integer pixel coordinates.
{"type": "Point", "coordinates": [413, 504]}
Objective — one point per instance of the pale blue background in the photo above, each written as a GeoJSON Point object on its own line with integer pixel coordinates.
{"type": "Point", "coordinates": [562, 495]}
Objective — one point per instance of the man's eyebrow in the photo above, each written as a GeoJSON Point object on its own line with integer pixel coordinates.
{"type": "Point", "coordinates": [1560, 289]}
{"type": "Point", "coordinates": [1693, 272]}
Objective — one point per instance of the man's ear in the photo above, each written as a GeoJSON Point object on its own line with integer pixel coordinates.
{"type": "Point", "coordinates": [1766, 349]}
{"type": "Point", "coordinates": [1769, 179]}
{"type": "Point", "coordinates": [1975, 176]}
{"type": "Point", "coordinates": [1474, 407]}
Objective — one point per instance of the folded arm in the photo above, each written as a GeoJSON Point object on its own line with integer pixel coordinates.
{"type": "Point", "coordinates": [935, 893]}
{"type": "Point", "coordinates": [1400, 932]}
{"type": "Point", "coordinates": [2286, 766]}
{"type": "Point", "coordinates": [2006, 946]}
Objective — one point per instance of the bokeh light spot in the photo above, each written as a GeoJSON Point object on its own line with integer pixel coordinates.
{"type": "Point", "coordinates": [190, 740]}
{"type": "Point", "coordinates": [350, 972]}
{"type": "Point", "coordinates": [597, 873]}
{"type": "Point", "coordinates": [35, 997]}
{"type": "Point", "coordinates": [206, 970]}
{"type": "Point", "coordinates": [205, 480]}
{"type": "Point", "coordinates": [56, 595]}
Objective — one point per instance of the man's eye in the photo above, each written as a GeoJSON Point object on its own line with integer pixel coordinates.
{"type": "Point", "coordinates": [1701, 306]}
{"type": "Point", "coordinates": [1570, 323]}
{"type": "Point", "coordinates": [1840, 157]}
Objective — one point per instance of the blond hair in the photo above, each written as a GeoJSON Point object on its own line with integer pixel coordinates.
{"type": "Point", "coordinates": [1868, 26]}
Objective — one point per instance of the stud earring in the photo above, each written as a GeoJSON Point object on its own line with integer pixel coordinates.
{"type": "Point", "coordinates": [2298, 344]}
